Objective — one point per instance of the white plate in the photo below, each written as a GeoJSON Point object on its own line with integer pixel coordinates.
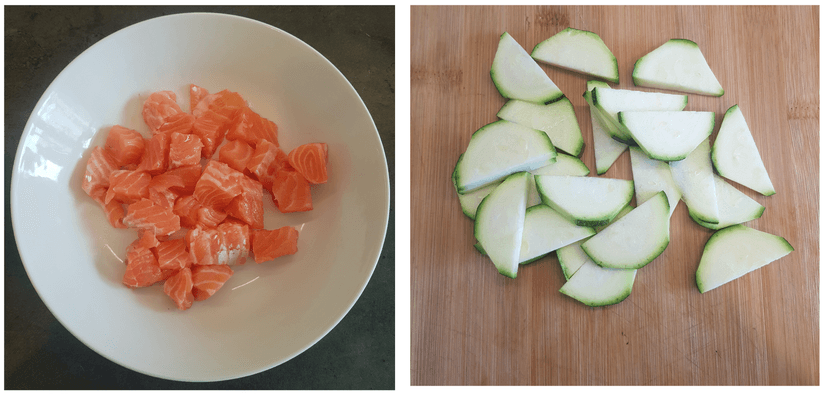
{"type": "Point", "coordinates": [265, 314]}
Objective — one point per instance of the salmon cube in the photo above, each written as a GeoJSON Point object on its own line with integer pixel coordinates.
{"type": "Point", "coordinates": [249, 205]}
{"type": "Point", "coordinates": [156, 154]}
{"type": "Point", "coordinates": [185, 150]}
{"type": "Point", "coordinates": [189, 175]}
{"type": "Point", "coordinates": [204, 244]}
{"type": "Point", "coordinates": [173, 254]}
{"type": "Point", "coordinates": [291, 192]}
{"type": "Point", "coordinates": [196, 94]}
{"type": "Point", "coordinates": [270, 244]}
{"type": "Point", "coordinates": [159, 108]}
{"type": "Point", "coordinates": [236, 154]}
{"type": "Point", "coordinates": [235, 243]}
{"type": "Point", "coordinates": [224, 103]}
{"type": "Point", "coordinates": [266, 161]}
{"type": "Point", "coordinates": [142, 268]}
{"type": "Point", "coordinates": [128, 186]}
{"type": "Point", "coordinates": [98, 169]}
{"type": "Point", "coordinates": [186, 207]}
{"type": "Point", "coordinates": [207, 279]}
{"type": "Point", "coordinates": [250, 127]}
{"type": "Point", "coordinates": [218, 185]}
{"type": "Point", "coordinates": [180, 288]}
{"type": "Point", "coordinates": [146, 215]}
{"type": "Point", "coordinates": [124, 145]}
{"type": "Point", "coordinates": [311, 161]}
{"type": "Point", "coordinates": [181, 123]}
{"type": "Point", "coordinates": [210, 127]}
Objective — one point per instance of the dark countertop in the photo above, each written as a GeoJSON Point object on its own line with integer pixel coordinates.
{"type": "Point", "coordinates": [41, 354]}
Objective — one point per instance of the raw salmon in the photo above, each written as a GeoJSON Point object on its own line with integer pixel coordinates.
{"type": "Point", "coordinates": [124, 145]}
{"type": "Point", "coordinates": [180, 288]}
{"type": "Point", "coordinates": [147, 215]}
{"type": "Point", "coordinates": [291, 192]}
{"type": "Point", "coordinates": [204, 245]}
{"type": "Point", "coordinates": [115, 213]}
{"type": "Point", "coordinates": [159, 108]}
{"type": "Point", "coordinates": [128, 186]}
{"type": "Point", "coordinates": [211, 128]}
{"type": "Point", "coordinates": [210, 217]}
{"type": "Point", "coordinates": [235, 243]}
{"type": "Point", "coordinates": [186, 207]}
{"type": "Point", "coordinates": [142, 267]}
{"type": "Point", "coordinates": [218, 185]}
{"type": "Point", "coordinates": [236, 154]}
{"type": "Point", "coordinates": [207, 279]}
{"type": "Point", "coordinates": [185, 150]}
{"type": "Point", "coordinates": [270, 244]}
{"type": "Point", "coordinates": [250, 127]}
{"type": "Point", "coordinates": [161, 189]}
{"type": "Point", "coordinates": [189, 175]}
{"type": "Point", "coordinates": [266, 161]}
{"type": "Point", "coordinates": [173, 254]}
{"type": "Point", "coordinates": [181, 123]}
{"type": "Point", "coordinates": [249, 205]}
{"type": "Point", "coordinates": [311, 161]}
{"type": "Point", "coordinates": [196, 94]}
{"type": "Point", "coordinates": [156, 154]}
{"type": "Point", "coordinates": [98, 168]}
{"type": "Point", "coordinates": [225, 103]}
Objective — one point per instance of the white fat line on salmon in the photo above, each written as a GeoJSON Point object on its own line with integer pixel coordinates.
{"type": "Point", "coordinates": [245, 284]}
{"type": "Point", "coordinates": [113, 253]}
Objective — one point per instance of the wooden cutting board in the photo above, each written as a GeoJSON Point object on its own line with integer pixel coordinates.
{"type": "Point", "coordinates": [473, 326]}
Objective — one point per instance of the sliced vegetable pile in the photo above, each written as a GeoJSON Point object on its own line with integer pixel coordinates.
{"type": "Point", "coordinates": [194, 191]}
{"type": "Point", "coordinates": [522, 183]}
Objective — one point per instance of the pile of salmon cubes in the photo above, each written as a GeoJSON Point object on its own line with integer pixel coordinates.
{"type": "Point", "coordinates": [194, 191]}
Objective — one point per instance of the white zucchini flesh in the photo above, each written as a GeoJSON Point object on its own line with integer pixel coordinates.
{"type": "Point", "coordinates": [545, 231]}
{"type": "Point", "coordinates": [498, 224]}
{"type": "Point", "coordinates": [668, 135]}
{"type": "Point", "coordinates": [694, 177]}
{"type": "Point", "coordinates": [652, 176]}
{"type": "Point", "coordinates": [580, 51]}
{"type": "Point", "coordinates": [613, 101]}
{"type": "Point", "coordinates": [677, 65]}
{"type": "Point", "coordinates": [572, 257]}
{"type": "Point", "coordinates": [634, 240]}
{"type": "Point", "coordinates": [470, 201]}
{"type": "Point", "coordinates": [517, 76]}
{"type": "Point", "coordinates": [586, 201]}
{"type": "Point", "coordinates": [498, 150]}
{"type": "Point", "coordinates": [564, 165]}
{"type": "Point", "coordinates": [557, 120]}
{"type": "Point", "coordinates": [594, 285]}
{"type": "Point", "coordinates": [736, 156]}
{"type": "Point", "coordinates": [607, 149]}
{"type": "Point", "coordinates": [734, 251]}
{"type": "Point", "coordinates": [735, 207]}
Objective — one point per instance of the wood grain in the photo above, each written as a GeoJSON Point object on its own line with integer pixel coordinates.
{"type": "Point", "coordinates": [472, 326]}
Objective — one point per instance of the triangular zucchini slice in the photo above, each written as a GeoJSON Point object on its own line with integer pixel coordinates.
{"type": "Point", "coordinates": [517, 76]}
{"type": "Point", "coordinates": [634, 240]}
{"type": "Point", "coordinates": [736, 156]}
{"type": "Point", "coordinates": [586, 201]}
{"type": "Point", "coordinates": [735, 251]}
{"type": "Point", "coordinates": [734, 206]}
{"type": "Point", "coordinates": [498, 224]}
{"type": "Point", "coordinates": [694, 177]}
{"type": "Point", "coordinates": [677, 65]}
{"type": "Point", "coordinates": [607, 149]}
{"type": "Point", "coordinates": [594, 285]}
{"type": "Point", "coordinates": [499, 149]}
{"type": "Point", "coordinates": [557, 120]}
{"type": "Point", "coordinates": [580, 51]}
{"type": "Point", "coordinates": [572, 257]}
{"type": "Point", "coordinates": [609, 102]}
{"type": "Point", "coordinates": [652, 176]}
{"type": "Point", "coordinates": [668, 135]}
